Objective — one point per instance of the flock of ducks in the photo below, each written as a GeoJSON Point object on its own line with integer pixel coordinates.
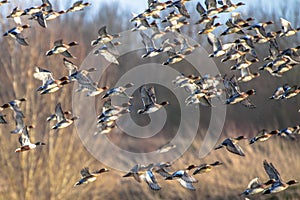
{"type": "Point", "coordinates": [162, 18]}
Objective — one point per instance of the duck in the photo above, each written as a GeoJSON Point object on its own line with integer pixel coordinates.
{"type": "Point", "coordinates": [246, 75]}
{"type": "Point", "coordinates": [281, 69]}
{"type": "Point", "coordinates": [141, 25]}
{"type": "Point", "coordinates": [142, 172]}
{"type": "Point", "coordinates": [199, 97]}
{"type": "Point", "coordinates": [229, 5]}
{"type": "Point", "coordinates": [234, 54]}
{"type": "Point", "coordinates": [120, 91]}
{"type": "Point", "coordinates": [77, 6]}
{"type": "Point", "coordinates": [156, 33]}
{"type": "Point", "coordinates": [289, 132]}
{"type": "Point", "coordinates": [239, 97]}
{"type": "Point", "coordinates": [182, 174]}
{"type": "Point", "coordinates": [149, 101]}
{"type": "Point", "coordinates": [136, 171]}
{"type": "Point", "coordinates": [34, 9]}
{"type": "Point", "coordinates": [211, 7]}
{"type": "Point", "coordinates": [62, 121]}
{"type": "Point", "coordinates": [16, 34]}
{"type": "Point", "coordinates": [50, 15]}
{"type": "Point", "coordinates": [291, 92]}
{"type": "Point", "coordinates": [162, 170]}
{"type": "Point", "coordinates": [180, 5]}
{"type": "Point", "coordinates": [54, 85]}
{"type": "Point", "coordinates": [24, 140]}
{"type": "Point", "coordinates": [61, 48]}
{"type": "Point", "coordinates": [273, 174]}
{"type": "Point", "coordinates": [209, 27]}
{"type": "Point", "coordinates": [185, 47]}
{"type": "Point", "coordinates": [263, 136]}
{"type": "Point", "coordinates": [232, 146]}
{"type": "Point", "coordinates": [112, 115]}
{"type": "Point", "coordinates": [176, 26]}
{"type": "Point", "coordinates": [287, 29]}
{"type": "Point", "coordinates": [204, 168]}
{"type": "Point", "coordinates": [166, 148]}
{"type": "Point", "coordinates": [279, 91]}
{"type": "Point", "coordinates": [237, 19]}
{"type": "Point", "coordinates": [219, 49]}
{"type": "Point", "coordinates": [103, 37]}
{"type": "Point", "coordinates": [233, 28]}
{"type": "Point", "coordinates": [174, 57]}
{"type": "Point", "coordinates": [172, 17]}
{"type": "Point", "coordinates": [91, 88]}
{"type": "Point", "coordinates": [235, 95]}
{"type": "Point", "coordinates": [4, 2]}
{"type": "Point", "coordinates": [255, 186]}
{"type": "Point", "coordinates": [15, 106]}
{"type": "Point", "coordinates": [107, 51]}
{"type": "Point", "coordinates": [247, 42]}
{"type": "Point", "coordinates": [89, 177]}
{"type": "Point", "coordinates": [16, 13]}
{"type": "Point", "coordinates": [49, 84]}
{"type": "Point", "coordinates": [157, 5]}
{"type": "Point", "coordinates": [260, 28]}
{"type": "Point", "coordinates": [263, 39]}
{"type": "Point", "coordinates": [85, 82]}
{"type": "Point", "coordinates": [105, 128]}
{"type": "Point", "coordinates": [53, 116]}
{"type": "Point", "coordinates": [204, 18]}
{"type": "Point", "coordinates": [243, 63]}
{"type": "Point", "coordinates": [151, 50]}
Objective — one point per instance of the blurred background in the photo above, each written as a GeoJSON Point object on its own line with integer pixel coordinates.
{"type": "Point", "coordinates": [51, 171]}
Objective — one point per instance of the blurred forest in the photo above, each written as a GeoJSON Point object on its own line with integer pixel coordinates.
{"type": "Point", "coordinates": [51, 171]}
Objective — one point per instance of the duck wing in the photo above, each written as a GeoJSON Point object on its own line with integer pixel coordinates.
{"type": "Point", "coordinates": [59, 113]}
{"type": "Point", "coordinates": [285, 25]}
{"type": "Point", "coordinates": [147, 41]}
{"type": "Point", "coordinates": [102, 31]}
{"type": "Point", "coordinates": [85, 172]}
{"type": "Point", "coordinates": [163, 172]}
{"type": "Point", "coordinates": [146, 98]}
{"type": "Point", "coordinates": [70, 66]}
{"type": "Point", "coordinates": [24, 138]}
{"type": "Point", "coordinates": [58, 42]}
{"type": "Point", "coordinates": [234, 148]}
{"type": "Point", "coordinates": [19, 122]}
{"type": "Point", "coordinates": [254, 183]}
{"type": "Point", "coordinates": [67, 54]}
{"type": "Point", "coordinates": [21, 40]}
{"type": "Point", "coordinates": [43, 75]}
{"type": "Point", "coordinates": [150, 179]}
{"type": "Point", "coordinates": [271, 171]}
{"type": "Point", "coordinates": [187, 178]}
{"type": "Point", "coordinates": [186, 184]}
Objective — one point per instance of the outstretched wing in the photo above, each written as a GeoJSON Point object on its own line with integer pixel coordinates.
{"type": "Point", "coordinates": [146, 98]}
{"type": "Point", "coordinates": [59, 113]}
{"type": "Point", "coordinates": [70, 66]}
{"type": "Point", "coordinates": [85, 172]}
{"type": "Point", "coordinates": [102, 31]}
{"type": "Point", "coordinates": [235, 148]}
{"type": "Point", "coordinates": [24, 138]}
{"type": "Point", "coordinates": [271, 171]}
